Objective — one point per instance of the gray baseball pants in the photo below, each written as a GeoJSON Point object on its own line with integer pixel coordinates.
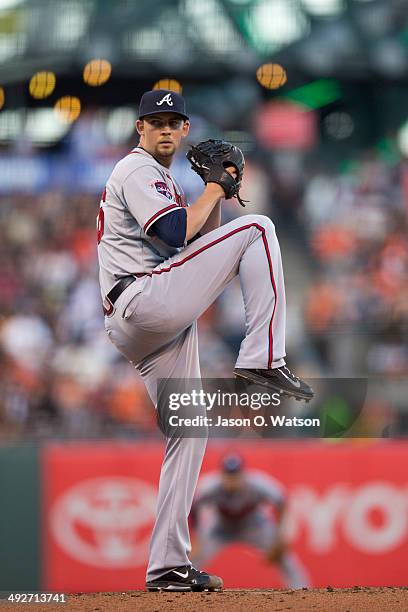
{"type": "Point", "coordinates": [154, 326]}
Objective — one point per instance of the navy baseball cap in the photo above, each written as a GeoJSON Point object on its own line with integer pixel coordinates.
{"type": "Point", "coordinates": [162, 101]}
{"type": "Point", "coordinates": [232, 464]}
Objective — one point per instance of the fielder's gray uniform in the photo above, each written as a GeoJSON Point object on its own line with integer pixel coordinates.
{"type": "Point", "coordinates": [240, 516]}
{"type": "Point", "coordinates": [154, 320]}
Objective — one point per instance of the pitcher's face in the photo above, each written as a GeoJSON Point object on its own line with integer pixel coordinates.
{"type": "Point", "coordinates": [161, 134]}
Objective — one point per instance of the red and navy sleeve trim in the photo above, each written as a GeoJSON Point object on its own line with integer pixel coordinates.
{"type": "Point", "coordinates": [171, 228]}
{"type": "Point", "coordinates": [157, 216]}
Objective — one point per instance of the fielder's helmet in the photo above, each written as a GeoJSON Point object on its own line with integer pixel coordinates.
{"type": "Point", "coordinates": [232, 463]}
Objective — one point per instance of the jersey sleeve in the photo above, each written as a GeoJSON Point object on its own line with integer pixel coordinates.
{"type": "Point", "coordinates": [148, 196]}
{"type": "Point", "coordinates": [269, 489]}
{"type": "Point", "coordinates": [171, 228]}
{"type": "Point", "coordinates": [205, 494]}
{"type": "Point", "coordinates": [206, 489]}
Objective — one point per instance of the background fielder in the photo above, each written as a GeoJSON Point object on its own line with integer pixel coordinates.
{"type": "Point", "coordinates": [237, 498]}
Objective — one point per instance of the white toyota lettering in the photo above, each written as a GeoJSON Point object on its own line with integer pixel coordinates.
{"type": "Point", "coordinates": [341, 511]}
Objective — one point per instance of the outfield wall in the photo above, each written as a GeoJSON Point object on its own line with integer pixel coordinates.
{"type": "Point", "coordinates": [78, 517]}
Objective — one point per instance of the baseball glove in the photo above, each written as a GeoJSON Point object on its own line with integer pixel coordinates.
{"type": "Point", "coordinates": [210, 159]}
{"type": "Point", "coordinates": [276, 551]}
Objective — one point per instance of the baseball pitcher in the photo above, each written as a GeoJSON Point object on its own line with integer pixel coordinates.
{"type": "Point", "coordinates": [162, 263]}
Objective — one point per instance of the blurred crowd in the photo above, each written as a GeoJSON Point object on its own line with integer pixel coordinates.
{"type": "Point", "coordinates": [356, 310]}
{"type": "Point", "coordinates": [345, 248]}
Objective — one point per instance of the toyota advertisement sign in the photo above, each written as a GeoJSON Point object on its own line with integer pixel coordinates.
{"type": "Point", "coordinates": [347, 515]}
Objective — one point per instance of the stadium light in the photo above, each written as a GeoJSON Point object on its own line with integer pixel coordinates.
{"type": "Point", "coordinates": [324, 8]}
{"type": "Point", "coordinates": [8, 4]}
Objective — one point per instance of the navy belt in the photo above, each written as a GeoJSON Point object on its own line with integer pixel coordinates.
{"type": "Point", "coordinates": [117, 290]}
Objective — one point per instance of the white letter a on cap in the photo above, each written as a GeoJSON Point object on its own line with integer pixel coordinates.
{"type": "Point", "coordinates": [166, 98]}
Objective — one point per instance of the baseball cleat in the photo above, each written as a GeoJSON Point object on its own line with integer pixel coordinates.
{"type": "Point", "coordinates": [186, 578]}
{"type": "Point", "coordinates": [281, 380]}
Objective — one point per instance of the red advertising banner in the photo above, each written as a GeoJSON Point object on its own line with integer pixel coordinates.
{"type": "Point", "coordinates": [347, 517]}
{"type": "Point", "coordinates": [99, 508]}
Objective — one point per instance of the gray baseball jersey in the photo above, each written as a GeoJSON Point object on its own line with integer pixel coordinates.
{"type": "Point", "coordinates": [235, 509]}
{"type": "Point", "coordinates": [138, 192]}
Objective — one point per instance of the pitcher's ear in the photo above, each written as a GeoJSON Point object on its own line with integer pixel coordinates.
{"type": "Point", "coordinates": [186, 127]}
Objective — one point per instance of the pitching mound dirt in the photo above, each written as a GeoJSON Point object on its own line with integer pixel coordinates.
{"type": "Point", "coordinates": [356, 599]}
